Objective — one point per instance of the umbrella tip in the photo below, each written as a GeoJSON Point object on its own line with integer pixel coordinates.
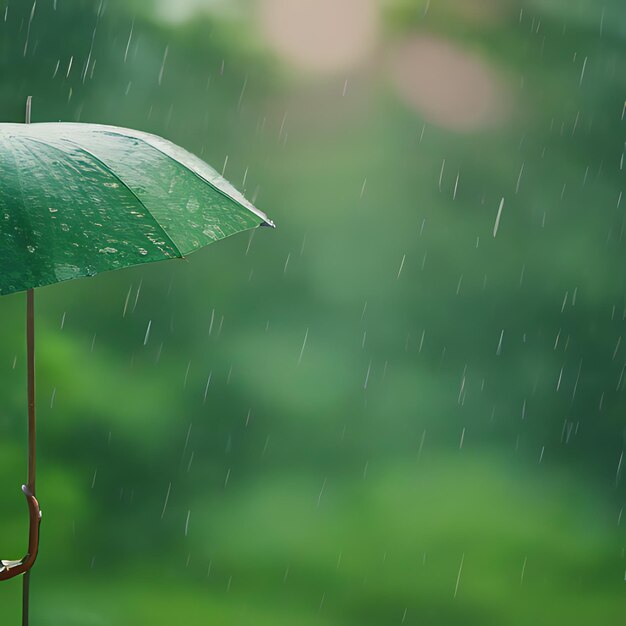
{"type": "Point", "coordinates": [267, 223]}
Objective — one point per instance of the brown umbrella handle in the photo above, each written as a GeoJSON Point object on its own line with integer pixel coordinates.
{"type": "Point", "coordinates": [10, 569]}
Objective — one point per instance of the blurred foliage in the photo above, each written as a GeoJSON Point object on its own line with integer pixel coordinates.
{"type": "Point", "coordinates": [379, 413]}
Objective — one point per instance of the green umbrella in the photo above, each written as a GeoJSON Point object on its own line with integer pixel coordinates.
{"type": "Point", "coordinates": [80, 199]}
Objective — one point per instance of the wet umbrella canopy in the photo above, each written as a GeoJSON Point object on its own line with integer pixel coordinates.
{"type": "Point", "coordinates": [80, 199]}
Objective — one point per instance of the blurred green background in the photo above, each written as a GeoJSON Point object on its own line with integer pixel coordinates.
{"type": "Point", "coordinates": [406, 405]}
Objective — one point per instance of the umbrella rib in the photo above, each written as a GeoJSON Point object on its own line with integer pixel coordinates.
{"type": "Point", "coordinates": [250, 208]}
{"type": "Point", "coordinates": [112, 173]}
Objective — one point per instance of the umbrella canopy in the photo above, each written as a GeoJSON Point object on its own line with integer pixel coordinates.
{"type": "Point", "coordinates": [80, 199]}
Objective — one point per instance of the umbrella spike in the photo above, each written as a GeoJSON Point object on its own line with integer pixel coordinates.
{"type": "Point", "coordinates": [29, 100]}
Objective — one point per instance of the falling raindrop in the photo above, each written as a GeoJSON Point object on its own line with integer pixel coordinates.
{"type": "Point", "coordinates": [130, 36]}
{"type": "Point", "coordinates": [306, 336]}
{"type": "Point", "coordinates": [401, 266]}
{"type": "Point", "coordinates": [497, 223]}
{"type": "Point", "coordinates": [147, 335]}
{"type": "Point", "coordinates": [30, 21]}
{"type": "Point", "coordinates": [458, 577]}
{"type": "Point", "coordinates": [167, 498]}
{"type": "Point", "coordinates": [167, 48]}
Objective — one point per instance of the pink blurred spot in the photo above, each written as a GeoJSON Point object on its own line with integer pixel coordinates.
{"type": "Point", "coordinates": [448, 86]}
{"type": "Point", "coordinates": [324, 36]}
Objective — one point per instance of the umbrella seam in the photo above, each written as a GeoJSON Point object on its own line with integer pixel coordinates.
{"type": "Point", "coordinates": [147, 210]}
{"type": "Point", "coordinates": [252, 210]}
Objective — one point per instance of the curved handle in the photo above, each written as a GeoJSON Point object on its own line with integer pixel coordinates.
{"type": "Point", "coordinates": [11, 569]}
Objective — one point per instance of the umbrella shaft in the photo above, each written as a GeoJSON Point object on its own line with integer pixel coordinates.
{"type": "Point", "coordinates": [30, 349]}
{"type": "Point", "coordinates": [32, 431]}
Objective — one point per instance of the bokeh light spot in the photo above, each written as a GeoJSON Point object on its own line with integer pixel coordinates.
{"type": "Point", "coordinates": [323, 36]}
{"type": "Point", "coordinates": [448, 86]}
